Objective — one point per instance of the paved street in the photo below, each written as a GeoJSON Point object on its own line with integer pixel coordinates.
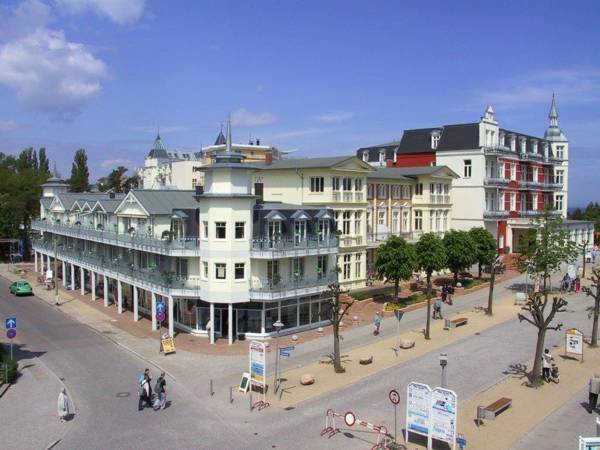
{"type": "Point", "coordinates": [101, 378]}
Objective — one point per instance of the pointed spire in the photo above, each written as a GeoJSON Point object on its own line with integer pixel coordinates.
{"type": "Point", "coordinates": [228, 146]}
{"type": "Point", "coordinates": [553, 114]}
{"type": "Point", "coordinates": [158, 145]}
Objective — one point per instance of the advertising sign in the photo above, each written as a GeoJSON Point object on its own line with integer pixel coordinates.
{"type": "Point", "coordinates": [168, 345]}
{"type": "Point", "coordinates": [258, 352]}
{"type": "Point", "coordinates": [443, 415]}
{"type": "Point", "coordinates": [418, 401]}
{"type": "Point", "coordinates": [574, 341]}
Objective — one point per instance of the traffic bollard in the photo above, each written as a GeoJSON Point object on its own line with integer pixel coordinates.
{"type": "Point", "coordinates": [230, 394]}
{"type": "Point", "coordinates": [250, 398]}
{"type": "Point", "coordinates": [212, 392]}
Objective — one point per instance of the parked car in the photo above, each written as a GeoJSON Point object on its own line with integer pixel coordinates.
{"type": "Point", "coordinates": [21, 288]}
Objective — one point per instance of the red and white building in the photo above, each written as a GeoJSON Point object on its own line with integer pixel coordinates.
{"type": "Point", "coordinates": [506, 177]}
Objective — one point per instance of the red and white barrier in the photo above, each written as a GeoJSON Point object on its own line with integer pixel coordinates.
{"type": "Point", "coordinates": [350, 420]}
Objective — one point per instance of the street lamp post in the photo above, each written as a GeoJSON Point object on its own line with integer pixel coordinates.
{"type": "Point", "coordinates": [56, 299]}
{"type": "Point", "coordinates": [443, 364]}
{"type": "Point", "coordinates": [278, 326]}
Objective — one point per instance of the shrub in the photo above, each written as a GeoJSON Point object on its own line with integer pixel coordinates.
{"type": "Point", "coordinates": [9, 368]}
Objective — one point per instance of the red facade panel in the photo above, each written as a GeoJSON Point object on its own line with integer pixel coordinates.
{"type": "Point", "coordinates": [415, 159]}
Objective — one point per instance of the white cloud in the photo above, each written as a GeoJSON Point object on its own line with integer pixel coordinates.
{"type": "Point", "coordinates": [298, 133]}
{"type": "Point", "coordinates": [244, 118]}
{"type": "Point", "coordinates": [120, 11]}
{"type": "Point", "coordinates": [7, 125]}
{"type": "Point", "coordinates": [109, 163]}
{"type": "Point", "coordinates": [20, 19]}
{"type": "Point", "coordinates": [570, 85]}
{"type": "Point", "coordinates": [335, 117]}
{"type": "Point", "coordinates": [51, 74]}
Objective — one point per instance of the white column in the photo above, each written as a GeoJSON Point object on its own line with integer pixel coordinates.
{"type": "Point", "coordinates": [82, 272]}
{"type": "Point", "coordinates": [72, 276]}
{"type": "Point", "coordinates": [171, 317]}
{"type": "Point", "coordinates": [153, 311]}
{"type": "Point", "coordinates": [211, 333]}
{"type": "Point", "coordinates": [93, 284]}
{"type": "Point", "coordinates": [49, 264]}
{"type": "Point", "coordinates": [135, 304]}
{"type": "Point", "coordinates": [119, 297]}
{"type": "Point", "coordinates": [35, 261]}
{"type": "Point", "coordinates": [64, 274]}
{"type": "Point", "coordinates": [230, 324]}
{"type": "Point", "coordinates": [105, 289]}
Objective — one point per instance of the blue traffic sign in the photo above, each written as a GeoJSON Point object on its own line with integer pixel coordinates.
{"type": "Point", "coordinates": [285, 354]}
{"type": "Point", "coordinates": [160, 307]}
{"type": "Point", "coordinates": [287, 349]}
{"type": "Point", "coordinates": [160, 316]}
{"type": "Point", "coordinates": [10, 322]}
{"type": "Point", "coordinates": [11, 333]}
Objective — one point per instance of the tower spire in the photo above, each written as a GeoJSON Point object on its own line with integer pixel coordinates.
{"type": "Point", "coordinates": [553, 114]}
{"type": "Point", "coordinates": [553, 132]}
{"type": "Point", "coordinates": [228, 141]}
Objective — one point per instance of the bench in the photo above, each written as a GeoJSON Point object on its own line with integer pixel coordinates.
{"type": "Point", "coordinates": [500, 405]}
{"type": "Point", "coordinates": [460, 321]}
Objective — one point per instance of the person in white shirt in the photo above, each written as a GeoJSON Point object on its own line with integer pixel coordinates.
{"type": "Point", "coordinates": [546, 364]}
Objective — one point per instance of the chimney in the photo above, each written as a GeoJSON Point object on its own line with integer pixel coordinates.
{"type": "Point", "coordinates": [269, 158]}
{"type": "Point", "coordinates": [389, 163]}
{"type": "Point", "coordinates": [258, 142]}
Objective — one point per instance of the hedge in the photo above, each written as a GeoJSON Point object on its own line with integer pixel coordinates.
{"type": "Point", "coordinates": [11, 373]}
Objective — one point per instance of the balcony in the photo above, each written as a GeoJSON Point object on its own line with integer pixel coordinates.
{"type": "Point", "coordinates": [375, 239]}
{"type": "Point", "coordinates": [266, 248]}
{"type": "Point", "coordinates": [174, 247]}
{"type": "Point", "coordinates": [439, 199]}
{"type": "Point", "coordinates": [151, 278]}
{"type": "Point", "coordinates": [495, 214]}
{"type": "Point", "coordinates": [499, 150]}
{"type": "Point", "coordinates": [351, 241]}
{"type": "Point", "coordinates": [271, 289]}
{"type": "Point", "coordinates": [540, 185]}
{"type": "Point", "coordinates": [347, 196]}
{"type": "Point", "coordinates": [495, 181]}
{"type": "Point", "coordinates": [532, 156]}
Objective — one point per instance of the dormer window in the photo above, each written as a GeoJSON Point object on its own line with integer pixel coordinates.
{"type": "Point", "coordinates": [534, 146]}
{"type": "Point", "coordinates": [501, 141]}
{"type": "Point", "coordinates": [435, 139]}
{"type": "Point", "coordinates": [523, 145]}
{"type": "Point", "coordinates": [382, 157]}
{"type": "Point", "coordinates": [365, 156]}
{"type": "Point", "coordinates": [513, 143]}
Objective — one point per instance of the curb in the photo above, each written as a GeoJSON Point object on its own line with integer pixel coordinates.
{"type": "Point", "coordinates": [4, 388]}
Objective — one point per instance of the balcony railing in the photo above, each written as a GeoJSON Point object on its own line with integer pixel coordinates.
{"type": "Point", "coordinates": [384, 236]}
{"type": "Point", "coordinates": [152, 278]}
{"type": "Point", "coordinates": [439, 198]}
{"type": "Point", "coordinates": [267, 244]}
{"type": "Point", "coordinates": [498, 150]}
{"type": "Point", "coordinates": [506, 151]}
{"type": "Point", "coordinates": [495, 181]}
{"type": "Point", "coordinates": [541, 185]}
{"type": "Point", "coordinates": [265, 288]}
{"type": "Point", "coordinates": [495, 214]}
{"type": "Point", "coordinates": [183, 246]}
{"type": "Point", "coordinates": [347, 196]}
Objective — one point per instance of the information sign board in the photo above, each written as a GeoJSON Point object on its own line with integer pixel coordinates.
{"type": "Point", "coordinates": [258, 363]}
{"type": "Point", "coordinates": [168, 345]}
{"type": "Point", "coordinates": [574, 342]}
{"type": "Point", "coordinates": [443, 415]}
{"type": "Point", "coordinates": [418, 402]}
{"type": "Point", "coordinates": [244, 382]}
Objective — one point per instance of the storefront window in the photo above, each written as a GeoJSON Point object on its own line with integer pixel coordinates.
{"type": "Point", "coordinates": [314, 312]}
{"type": "Point", "coordinates": [248, 321]}
{"type": "Point", "coordinates": [289, 314]}
{"type": "Point", "coordinates": [304, 313]}
{"type": "Point", "coordinates": [270, 319]}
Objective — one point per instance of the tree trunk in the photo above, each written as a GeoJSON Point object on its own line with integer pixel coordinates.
{"type": "Point", "coordinates": [428, 306]}
{"type": "Point", "coordinates": [594, 342]}
{"type": "Point", "coordinates": [536, 373]}
{"type": "Point", "coordinates": [337, 364]}
{"type": "Point", "coordinates": [455, 277]}
{"type": "Point", "coordinates": [396, 284]}
{"type": "Point", "coordinates": [491, 294]}
{"type": "Point", "coordinates": [479, 270]}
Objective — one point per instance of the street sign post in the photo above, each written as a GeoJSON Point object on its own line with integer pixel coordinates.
{"type": "Point", "coordinates": [394, 397]}
{"type": "Point", "coordinates": [160, 307]}
{"type": "Point", "coordinates": [398, 314]}
{"type": "Point", "coordinates": [160, 316]}
{"type": "Point", "coordinates": [350, 418]}
{"type": "Point", "coordinates": [10, 323]}
{"type": "Point", "coordinates": [286, 352]}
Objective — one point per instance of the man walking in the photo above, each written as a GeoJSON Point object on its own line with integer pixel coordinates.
{"type": "Point", "coordinates": [159, 388]}
{"type": "Point", "coordinates": [376, 323]}
{"type": "Point", "coordinates": [594, 391]}
{"type": "Point", "coordinates": [63, 405]}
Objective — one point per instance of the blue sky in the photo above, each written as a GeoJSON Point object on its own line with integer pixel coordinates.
{"type": "Point", "coordinates": [320, 77]}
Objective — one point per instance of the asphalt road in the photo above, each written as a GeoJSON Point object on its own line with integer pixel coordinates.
{"type": "Point", "coordinates": [102, 381]}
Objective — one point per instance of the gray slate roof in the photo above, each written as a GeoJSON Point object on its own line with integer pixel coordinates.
{"type": "Point", "coordinates": [165, 201]}
{"type": "Point", "coordinates": [389, 173]}
{"type": "Point", "coordinates": [45, 201]}
{"type": "Point", "coordinates": [69, 198]}
{"type": "Point", "coordinates": [410, 172]}
{"type": "Point", "coordinates": [303, 163]}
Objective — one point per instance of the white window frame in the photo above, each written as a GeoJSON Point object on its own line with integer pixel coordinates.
{"type": "Point", "coordinates": [243, 228]}
{"type": "Point", "coordinates": [467, 168]}
{"type": "Point", "coordinates": [223, 267]}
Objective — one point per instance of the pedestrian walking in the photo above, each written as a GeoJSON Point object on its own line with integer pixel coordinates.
{"type": "Point", "coordinates": [144, 391]}
{"type": "Point", "coordinates": [444, 292]}
{"type": "Point", "coordinates": [450, 293]}
{"type": "Point", "coordinates": [376, 323]}
{"type": "Point", "coordinates": [437, 309]}
{"type": "Point", "coordinates": [63, 405]}
{"type": "Point", "coordinates": [160, 390]}
{"type": "Point", "coordinates": [594, 390]}
{"type": "Point", "coordinates": [546, 364]}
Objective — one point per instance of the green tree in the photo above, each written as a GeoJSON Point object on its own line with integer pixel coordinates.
{"type": "Point", "coordinates": [118, 181]}
{"type": "Point", "coordinates": [486, 247]}
{"type": "Point", "coordinates": [589, 290]}
{"type": "Point", "coordinates": [460, 251]}
{"type": "Point", "coordinates": [431, 257]}
{"type": "Point", "coordinates": [43, 162]}
{"type": "Point", "coordinates": [543, 250]}
{"type": "Point", "coordinates": [396, 260]}
{"type": "Point", "coordinates": [80, 174]}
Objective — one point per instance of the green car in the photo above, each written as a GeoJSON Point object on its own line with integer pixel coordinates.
{"type": "Point", "coordinates": [21, 288]}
